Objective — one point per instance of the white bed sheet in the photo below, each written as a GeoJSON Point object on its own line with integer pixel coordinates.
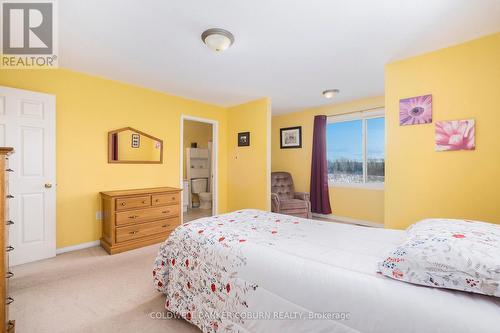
{"type": "Point", "coordinates": [306, 266]}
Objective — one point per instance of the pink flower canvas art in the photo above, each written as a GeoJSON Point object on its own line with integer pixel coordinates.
{"type": "Point", "coordinates": [415, 110]}
{"type": "Point", "coordinates": [455, 135]}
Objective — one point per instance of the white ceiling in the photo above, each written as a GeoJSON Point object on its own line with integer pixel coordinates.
{"type": "Point", "coordinates": [288, 50]}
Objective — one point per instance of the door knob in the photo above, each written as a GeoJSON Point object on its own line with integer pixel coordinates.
{"type": "Point", "coordinates": [48, 185]}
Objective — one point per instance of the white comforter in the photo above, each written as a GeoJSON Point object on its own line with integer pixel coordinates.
{"type": "Point", "coordinates": [239, 271]}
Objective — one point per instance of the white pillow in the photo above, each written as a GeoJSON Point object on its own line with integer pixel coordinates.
{"type": "Point", "coordinates": [444, 253]}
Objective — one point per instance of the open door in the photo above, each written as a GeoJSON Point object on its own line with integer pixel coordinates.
{"type": "Point", "coordinates": [27, 123]}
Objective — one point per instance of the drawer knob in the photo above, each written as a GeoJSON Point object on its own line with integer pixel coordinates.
{"type": "Point", "coordinates": [157, 200]}
{"type": "Point", "coordinates": [165, 212]}
{"type": "Point", "coordinates": [9, 248]}
{"type": "Point", "coordinates": [165, 225]}
{"type": "Point", "coordinates": [143, 202]}
{"type": "Point", "coordinates": [133, 232]}
{"type": "Point", "coordinates": [123, 203]}
{"type": "Point", "coordinates": [9, 222]}
{"type": "Point", "coordinates": [133, 216]}
{"type": "Point", "coordinates": [9, 170]}
{"type": "Point", "coordinates": [9, 300]}
{"type": "Point", "coordinates": [8, 275]}
{"type": "Point", "coordinates": [173, 198]}
{"type": "Point", "coordinates": [9, 196]}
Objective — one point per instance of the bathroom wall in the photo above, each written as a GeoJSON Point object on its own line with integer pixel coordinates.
{"type": "Point", "coordinates": [195, 131]}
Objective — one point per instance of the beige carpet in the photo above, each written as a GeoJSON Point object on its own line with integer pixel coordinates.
{"type": "Point", "coordinates": [90, 291]}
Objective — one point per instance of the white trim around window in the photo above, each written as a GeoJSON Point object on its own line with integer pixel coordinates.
{"type": "Point", "coordinates": [363, 116]}
{"type": "Point", "coordinates": [377, 113]}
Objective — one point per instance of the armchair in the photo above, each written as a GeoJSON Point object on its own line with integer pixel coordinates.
{"type": "Point", "coordinates": [285, 200]}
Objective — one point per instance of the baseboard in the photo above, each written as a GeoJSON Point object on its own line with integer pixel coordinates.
{"type": "Point", "coordinates": [349, 220]}
{"type": "Point", "coordinates": [77, 247]}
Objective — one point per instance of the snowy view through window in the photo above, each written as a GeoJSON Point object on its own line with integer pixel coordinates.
{"type": "Point", "coordinates": [345, 151]}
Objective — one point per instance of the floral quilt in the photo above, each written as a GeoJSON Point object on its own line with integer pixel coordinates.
{"type": "Point", "coordinates": [455, 254]}
{"type": "Point", "coordinates": [255, 271]}
{"type": "Point", "coordinates": [199, 265]}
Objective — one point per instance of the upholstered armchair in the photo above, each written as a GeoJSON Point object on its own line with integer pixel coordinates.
{"type": "Point", "coordinates": [285, 200]}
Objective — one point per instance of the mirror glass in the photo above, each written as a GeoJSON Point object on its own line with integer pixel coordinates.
{"type": "Point", "coordinates": [128, 145]}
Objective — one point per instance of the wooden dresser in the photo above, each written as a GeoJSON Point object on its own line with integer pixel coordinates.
{"type": "Point", "coordinates": [5, 248]}
{"type": "Point", "coordinates": [136, 218]}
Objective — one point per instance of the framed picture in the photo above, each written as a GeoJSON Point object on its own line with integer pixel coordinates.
{"type": "Point", "coordinates": [243, 139]}
{"type": "Point", "coordinates": [456, 135]}
{"type": "Point", "coordinates": [291, 137]}
{"type": "Point", "coordinates": [415, 110]}
{"type": "Point", "coordinates": [136, 140]}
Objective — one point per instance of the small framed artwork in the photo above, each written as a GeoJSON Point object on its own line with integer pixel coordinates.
{"type": "Point", "coordinates": [455, 135]}
{"type": "Point", "coordinates": [415, 110]}
{"type": "Point", "coordinates": [136, 140]}
{"type": "Point", "coordinates": [243, 139]}
{"type": "Point", "coordinates": [291, 137]}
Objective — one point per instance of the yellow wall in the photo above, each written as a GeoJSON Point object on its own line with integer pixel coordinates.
{"type": "Point", "coordinates": [420, 182]}
{"type": "Point", "coordinates": [362, 204]}
{"type": "Point", "coordinates": [195, 131]}
{"type": "Point", "coordinates": [87, 108]}
{"type": "Point", "coordinates": [248, 167]}
{"type": "Point", "coordinates": [464, 81]}
{"type": "Point", "coordinates": [147, 150]}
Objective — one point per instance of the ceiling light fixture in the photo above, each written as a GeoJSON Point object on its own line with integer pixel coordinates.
{"type": "Point", "coordinates": [330, 93]}
{"type": "Point", "coordinates": [217, 39]}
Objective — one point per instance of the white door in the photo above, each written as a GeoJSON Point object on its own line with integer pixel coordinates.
{"type": "Point", "coordinates": [27, 123]}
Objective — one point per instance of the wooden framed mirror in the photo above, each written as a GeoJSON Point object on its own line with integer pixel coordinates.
{"type": "Point", "coordinates": [128, 145]}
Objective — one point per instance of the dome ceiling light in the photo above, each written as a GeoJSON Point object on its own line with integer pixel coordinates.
{"type": "Point", "coordinates": [217, 39]}
{"type": "Point", "coordinates": [330, 93]}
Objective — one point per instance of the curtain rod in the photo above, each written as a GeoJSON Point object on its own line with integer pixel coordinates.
{"type": "Point", "coordinates": [349, 112]}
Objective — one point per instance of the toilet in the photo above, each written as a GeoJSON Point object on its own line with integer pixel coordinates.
{"type": "Point", "coordinates": [205, 200]}
{"type": "Point", "coordinates": [199, 186]}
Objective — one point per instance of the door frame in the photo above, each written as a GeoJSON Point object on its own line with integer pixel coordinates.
{"type": "Point", "coordinates": [215, 159]}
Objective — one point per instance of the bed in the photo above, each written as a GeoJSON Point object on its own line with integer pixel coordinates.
{"type": "Point", "coordinates": [255, 271]}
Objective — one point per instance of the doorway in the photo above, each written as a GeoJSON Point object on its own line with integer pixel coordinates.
{"type": "Point", "coordinates": [198, 167]}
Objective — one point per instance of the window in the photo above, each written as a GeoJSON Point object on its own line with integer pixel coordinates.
{"type": "Point", "coordinates": [355, 149]}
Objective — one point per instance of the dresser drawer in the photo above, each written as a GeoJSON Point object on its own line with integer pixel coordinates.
{"type": "Point", "coordinates": [134, 202]}
{"type": "Point", "coordinates": [165, 199]}
{"type": "Point", "coordinates": [124, 234]}
{"type": "Point", "coordinates": [145, 215]}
